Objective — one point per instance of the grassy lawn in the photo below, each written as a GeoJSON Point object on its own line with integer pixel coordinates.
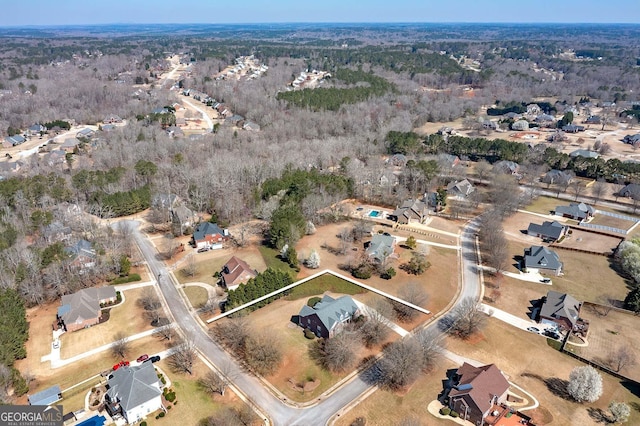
{"type": "Point", "coordinates": [385, 408]}
{"type": "Point", "coordinates": [614, 222]}
{"type": "Point", "coordinates": [321, 284]}
{"type": "Point", "coordinates": [538, 368]}
{"type": "Point", "coordinates": [73, 400]}
{"type": "Point", "coordinates": [545, 205]}
{"type": "Point", "coordinates": [272, 260]}
{"type": "Point", "coordinates": [197, 296]}
{"type": "Point", "coordinates": [194, 404]}
{"type": "Point", "coordinates": [208, 263]}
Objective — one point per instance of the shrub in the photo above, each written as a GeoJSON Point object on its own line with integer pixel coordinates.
{"type": "Point", "coordinates": [143, 424]}
{"type": "Point", "coordinates": [309, 334]}
{"type": "Point", "coordinates": [168, 407]}
{"type": "Point", "coordinates": [362, 272]}
{"type": "Point", "coordinates": [170, 396]}
{"type": "Point", "coordinates": [445, 411]}
{"type": "Point", "coordinates": [312, 301]}
{"type": "Point", "coordinates": [454, 413]}
{"type": "Point", "coordinates": [175, 402]}
{"type": "Point", "coordinates": [157, 417]}
{"type": "Point", "coordinates": [123, 280]}
{"type": "Point", "coordinates": [161, 414]}
{"type": "Point", "coordinates": [163, 380]}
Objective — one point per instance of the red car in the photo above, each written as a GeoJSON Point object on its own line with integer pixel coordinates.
{"type": "Point", "coordinates": [120, 364]}
{"type": "Point", "coordinates": [143, 358]}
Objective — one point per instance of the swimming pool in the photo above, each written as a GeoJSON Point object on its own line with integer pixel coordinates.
{"type": "Point", "coordinates": [375, 213]}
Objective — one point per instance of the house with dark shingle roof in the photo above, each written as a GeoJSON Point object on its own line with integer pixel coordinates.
{"type": "Point", "coordinates": [133, 392]}
{"type": "Point", "coordinates": [575, 211]}
{"type": "Point", "coordinates": [631, 190]}
{"type": "Point", "coordinates": [411, 210]}
{"type": "Point", "coordinates": [584, 153]}
{"type": "Point", "coordinates": [539, 258]}
{"type": "Point", "coordinates": [632, 139]}
{"type": "Point", "coordinates": [556, 176]}
{"type": "Point", "coordinates": [560, 309]}
{"type": "Point", "coordinates": [82, 255]}
{"type": "Point", "coordinates": [460, 189]}
{"type": "Point", "coordinates": [473, 391]}
{"type": "Point", "coordinates": [14, 140]}
{"type": "Point", "coordinates": [82, 308]}
{"type": "Point", "coordinates": [327, 317]}
{"type": "Point", "coordinates": [209, 235]}
{"type": "Point", "coordinates": [548, 231]}
{"type": "Point", "coordinates": [235, 272]}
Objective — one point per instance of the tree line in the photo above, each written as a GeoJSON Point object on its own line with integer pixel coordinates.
{"type": "Point", "coordinates": [264, 283]}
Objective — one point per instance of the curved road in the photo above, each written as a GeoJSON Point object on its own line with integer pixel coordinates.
{"type": "Point", "coordinates": [277, 411]}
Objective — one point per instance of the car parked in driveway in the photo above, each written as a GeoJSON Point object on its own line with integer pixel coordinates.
{"type": "Point", "coordinates": [533, 330]}
{"type": "Point", "coordinates": [155, 358]}
{"type": "Point", "coordinates": [553, 334]}
{"type": "Point", "coordinates": [203, 249]}
{"type": "Point", "coordinates": [142, 358]}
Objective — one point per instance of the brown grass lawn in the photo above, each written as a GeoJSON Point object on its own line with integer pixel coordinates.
{"type": "Point", "coordinates": [545, 205]}
{"type": "Point", "coordinates": [532, 364]}
{"type": "Point", "coordinates": [614, 222]}
{"type": "Point", "coordinates": [297, 367]}
{"type": "Point", "coordinates": [384, 408]}
{"type": "Point", "coordinates": [210, 262]}
{"type": "Point", "coordinates": [194, 404]}
{"type": "Point", "coordinates": [583, 276]}
{"type": "Point", "coordinates": [197, 296]}
{"type": "Point", "coordinates": [585, 240]}
{"type": "Point", "coordinates": [127, 317]}
{"type": "Point", "coordinates": [607, 334]}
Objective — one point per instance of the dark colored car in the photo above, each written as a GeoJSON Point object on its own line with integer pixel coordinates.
{"type": "Point", "coordinates": [155, 358]}
{"type": "Point", "coordinates": [553, 334]}
{"type": "Point", "coordinates": [142, 358]}
{"type": "Point", "coordinates": [203, 249]}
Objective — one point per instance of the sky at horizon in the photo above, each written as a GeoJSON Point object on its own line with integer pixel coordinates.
{"type": "Point", "coordinates": [83, 12]}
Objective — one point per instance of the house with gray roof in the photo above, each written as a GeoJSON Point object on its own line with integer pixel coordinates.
{"type": "Point", "coordinates": [584, 153]}
{"type": "Point", "coordinates": [36, 130]}
{"type": "Point", "coordinates": [85, 133]}
{"type": "Point", "coordinates": [411, 211]}
{"type": "Point", "coordinates": [82, 255]}
{"type": "Point", "coordinates": [209, 235]}
{"type": "Point", "coordinates": [631, 190]}
{"type": "Point", "coordinates": [632, 139]}
{"type": "Point", "coordinates": [133, 392]}
{"type": "Point", "coordinates": [572, 128]}
{"type": "Point", "coordinates": [14, 140]}
{"type": "Point", "coordinates": [520, 125]}
{"type": "Point", "coordinates": [507, 167]}
{"type": "Point", "coordinates": [548, 231]}
{"type": "Point", "coordinates": [539, 258]}
{"type": "Point", "coordinates": [380, 247]}
{"type": "Point", "coordinates": [82, 309]}
{"type": "Point", "coordinates": [460, 189]}
{"type": "Point", "coordinates": [593, 119]}
{"type": "Point", "coordinates": [556, 176]}
{"type": "Point", "coordinates": [561, 310]}
{"type": "Point", "coordinates": [575, 211]}
{"type": "Point", "coordinates": [328, 317]}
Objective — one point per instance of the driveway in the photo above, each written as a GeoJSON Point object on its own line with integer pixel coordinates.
{"type": "Point", "coordinates": [510, 319]}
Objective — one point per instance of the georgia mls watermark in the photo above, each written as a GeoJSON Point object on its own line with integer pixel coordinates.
{"type": "Point", "coordinates": [31, 415]}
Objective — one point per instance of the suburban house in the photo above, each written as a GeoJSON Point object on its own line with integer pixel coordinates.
{"type": "Point", "coordinates": [520, 125]}
{"type": "Point", "coordinates": [380, 247]}
{"type": "Point", "coordinates": [46, 397]}
{"type": "Point", "coordinates": [632, 139]}
{"type": "Point", "coordinates": [70, 145]}
{"type": "Point", "coordinates": [539, 258]}
{"type": "Point", "coordinates": [556, 176]}
{"type": "Point", "coordinates": [133, 392]}
{"type": "Point", "coordinates": [572, 128]}
{"type": "Point", "coordinates": [398, 160]}
{"type": "Point", "coordinates": [251, 126]}
{"type": "Point", "coordinates": [548, 231]}
{"type": "Point", "coordinates": [82, 255]}
{"type": "Point", "coordinates": [460, 189]}
{"type": "Point", "coordinates": [632, 190]}
{"type": "Point", "coordinates": [533, 109]}
{"type": "Point", "coordinates": [36, 130]}
{"type": "Point", "coordinates": [507, 167]}
{"type": "Point", "coordinates": [82, 308]}
{"type": "Point", "coordinates": [411, 211]}
{"type": "Point", "coordinates": [475, 392]}
{"type": "Point", "coordinates": [235, 272]}
{"type": "Point", "coordinates": [575, 211]}
{"type": "Point", "coordinates": [85, 133]}
{"type": "Point", "coordinates": [561, 310]}
{"type": "Point", "coordinates": [209, 235]}
{"type": "Point", "coordinates": [327, 317]}
{"type": "Point", "coordinates": [112, 119]}
{"type": "Point", "coordinates": [593, 119]}
{"type": "Point", "coordinates": [13, 140]}
{"type": "Point", "coordinates": [584, 153]}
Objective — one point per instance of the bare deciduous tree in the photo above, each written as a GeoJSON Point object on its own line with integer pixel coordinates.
{"type": "Point", "coordinates": [218, 381]}
{"type": "Point", "coordinates": [183, 357]}
{"type": "Point", "coordinates": [414, 294]}
{"type": "Point", "coordinates": [622, 358]}
{"type": "Point", "coordinates": [598, 190]}
{"type": "Point", "coordinates": [191, 267]}
{"type": "Point", "coordinates": [121, 345]}
{"type": "Point", "coordinates": [262, 352]}
{"type": "Point", "coordinates": [401, 364]}
{"type": "Point", "coordinates": [166, 332]}
{"type": "Point", "coordinates": [465, 319]}
{"type": "Point", "coordinates": [375, 329]}
{"type": "Point", "coordinates": [337, 354]}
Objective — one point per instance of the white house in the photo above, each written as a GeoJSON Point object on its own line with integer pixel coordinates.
{"type": "Point", "coordinates": [133, 392]}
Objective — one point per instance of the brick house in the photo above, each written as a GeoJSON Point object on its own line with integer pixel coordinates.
{"type": "Point", "coordinates": [209, 235]}
{"type": "Point", "coordinates": [328, 317]}
{"type": "Point", "coordinates": [82, 308]}
{"type": "Point", "coordinates": [235, 272]}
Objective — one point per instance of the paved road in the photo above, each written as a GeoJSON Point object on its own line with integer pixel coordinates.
{"type": "Point", "coordinates": [279, 412]}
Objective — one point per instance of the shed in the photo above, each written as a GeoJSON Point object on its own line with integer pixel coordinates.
{"type": "Point", "coordinates": [46, 397]}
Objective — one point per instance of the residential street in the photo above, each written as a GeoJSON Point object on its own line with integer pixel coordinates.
{"type": "Point", "coordinates": [274, 408]}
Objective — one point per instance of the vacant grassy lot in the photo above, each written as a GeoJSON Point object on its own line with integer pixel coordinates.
{"type": "Point", "coordinates": [607, 334]}
{"type": "Point", "coordinates": [271, 258]}
{"type": "Point", "coordinates": [614, 222]}
{"type": "Point", "coordinates": [542, 371]}
{"type": "Point", "coordinates": [324, 283]}
{"type": "Point", "coordinates": [194, 404]}
{"type": "Point", "coordinates": [384, 408]}
{"type": "Point", "coordinates": [127, 317]}
{"type": "Point", "coordinates": [210, 262]}
{"type": "Point", "coordinates": [545, 205]}
{"type": "Point", "coordinates": [585, 240]}
{"type": "Point", "coordinates": [197, 296]}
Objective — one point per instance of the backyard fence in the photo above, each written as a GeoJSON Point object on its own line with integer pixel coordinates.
{"type": "Point", "coordinates": [604, 228]}
{"type": "Point", "coordinates": [618, 215]}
